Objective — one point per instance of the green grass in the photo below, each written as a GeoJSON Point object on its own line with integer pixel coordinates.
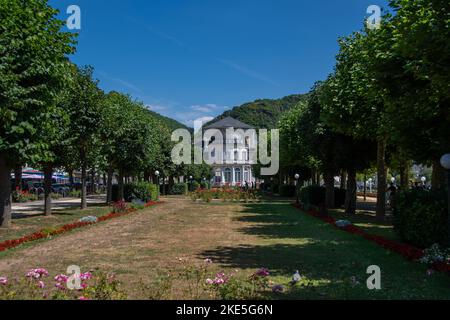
{"type": "Point", "coordinates": [34, 223]}
{"type": "Point", "coordinates": [368, 222]}
{"type": "Point", "coordinates": [329, 258]}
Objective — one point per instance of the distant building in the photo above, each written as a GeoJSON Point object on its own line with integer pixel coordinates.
{"type": "Point", "coordinates": [235, 165]}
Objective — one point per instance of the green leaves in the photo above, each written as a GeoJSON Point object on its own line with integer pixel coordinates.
{"type": "Point", "coordinates": [32, 62]}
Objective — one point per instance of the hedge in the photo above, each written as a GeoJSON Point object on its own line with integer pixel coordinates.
{"type": "Point", "coordinates": [288, 191]}
{"type": "Point", "coordinates": [179, 189]}
{"type": "Point", "coordinates": [315, 195]}
{"type": "Point", "coordinates": [420, 217]}
{"type": "Point", "coordinates": [143, 191]}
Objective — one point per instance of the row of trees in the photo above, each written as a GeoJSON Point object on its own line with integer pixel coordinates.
{"type": "Point", "coordinates": [386, 103]}
{"type": "Point", "coordinates": [54, 115]}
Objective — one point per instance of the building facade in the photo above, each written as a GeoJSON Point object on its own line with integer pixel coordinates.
{"type": "Point", "coordinates": [232, 154]}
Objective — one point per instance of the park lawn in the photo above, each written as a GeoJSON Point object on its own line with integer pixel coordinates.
{"type": "Point", "coordinates": [330, 259]}
{"type": "Point", "coordinates": [150, 246]}
{"type": "Point", "coordinates": [25, 225]}
{"type": "Point", "coordinates": [367, 221]}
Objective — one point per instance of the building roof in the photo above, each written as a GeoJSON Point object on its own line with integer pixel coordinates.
{"type": "Point", "coordinates": [228, 122]}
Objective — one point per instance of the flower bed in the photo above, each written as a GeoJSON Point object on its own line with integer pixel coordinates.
{"type": "Point", "coordinates": [409, 252]}
{"type": "Point", "coordinates": [9, 244]}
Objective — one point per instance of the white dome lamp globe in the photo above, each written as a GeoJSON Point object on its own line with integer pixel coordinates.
{"type": "Point", "coordinates": [157, 173]}
{"type": "Point", "coordinates": [445, 161]}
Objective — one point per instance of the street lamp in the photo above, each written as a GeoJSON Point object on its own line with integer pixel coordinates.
{"type": "Point", "coordinates": [297, 178]}
{"type": "Point", "coordinates": [423, 179]}
{"type": "Point", "coordinates": [190, 183]}
{"type": "Point", "coordinates": [157, 173]}
{"type": "Point", "coordinates": [445, 162]}
{"type": "Point", "coordinates": [370, 184]}
{"type": "Point", "coordinates": [393, 180]}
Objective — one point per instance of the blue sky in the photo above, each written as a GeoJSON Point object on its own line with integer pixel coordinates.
{"type": "Point", "coordinates": [197, 58]}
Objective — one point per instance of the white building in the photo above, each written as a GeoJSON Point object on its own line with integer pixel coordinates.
{"type": "Point", "coordinates": [233, 167]}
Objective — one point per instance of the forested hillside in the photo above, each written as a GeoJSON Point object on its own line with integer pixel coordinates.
{"type": "Point", "coordinates": [263, 113]}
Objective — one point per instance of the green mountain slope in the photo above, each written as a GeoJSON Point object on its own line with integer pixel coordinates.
{"type": "Point", "coordinates": [263, 113]}
{"type": "Point", "coordinates": [168, 122]}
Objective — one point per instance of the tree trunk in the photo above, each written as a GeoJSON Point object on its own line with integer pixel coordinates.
{"type": "Point", "coordinates": [329, 186]}
{"type": "Point", "coordinates": [404, 175]}
{"type": "Point", "coordinates": [48, 173]}
{"type": "Point", "coordinates": [343, 179]}
{"type": "Point", "coordinates": [83, 187]}
{"type": "Point", "coordinates": [438, 177]}
{"type": "Point", "coordinates": [381, 187]}
{"type": "Point", "coordinates": [109, 185]}
{"type": "Point", "coordinates": [5, 193]}
{"type": "Point", "coordinates": [71, 181]}
{"type": "Point", "coordinates": [350, 196]}
{"type": "Point", "coordinates": [120, 182]}
{"type": "Point", "coordinates": [18, 177]}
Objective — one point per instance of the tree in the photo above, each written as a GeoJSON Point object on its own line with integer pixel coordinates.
{"type": "Point", "coordinates": [33, 56]}
{"type": "Point", "coordinates": [411, 65]}
{"type": "Point", "coordinates": [83, 108]}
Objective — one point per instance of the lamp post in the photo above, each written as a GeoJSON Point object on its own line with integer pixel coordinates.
{"type": "Point", "coordinates": [445, 162]}
{"type": "Point", "coordinates": [423, 179]}
{"type": "Point", "coordinates": [190, 183]}
{"type": "Point", "coordinates": [297, 178]}
{"type": "Point", "coordinates": [157, 173]}
{"type": "Point", "coordinates": [370, 184]}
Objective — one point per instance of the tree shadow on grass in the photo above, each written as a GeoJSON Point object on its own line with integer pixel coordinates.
{"type": "Point", "coordinates": [336, 262]}
{"type": "Point", "coordinates": [61, 210]}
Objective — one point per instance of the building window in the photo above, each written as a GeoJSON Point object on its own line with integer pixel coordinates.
{"type": "Point", "coordinates": [228, 176]}
{"type": "Point", "coordinates": [238, 175]}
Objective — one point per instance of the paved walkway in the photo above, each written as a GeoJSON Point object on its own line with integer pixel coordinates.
{"type": "Point", "coordinates": [36, 207]}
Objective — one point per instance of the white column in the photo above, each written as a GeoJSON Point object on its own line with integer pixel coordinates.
{"type": "Point", "coordinates": [234, 176]}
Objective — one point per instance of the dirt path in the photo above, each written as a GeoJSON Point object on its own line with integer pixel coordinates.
{"type": "Point", "coordinates": [140, 245]}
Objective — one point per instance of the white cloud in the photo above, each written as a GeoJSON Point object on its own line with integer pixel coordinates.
{"type": "Point", "coordinates": [156, 107]}
{"type": "Point", "coordinates": [208, 108]}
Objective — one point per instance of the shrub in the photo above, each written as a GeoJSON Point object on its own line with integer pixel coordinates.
{"type": "Point", "coordinates": [179, 189]}
{"type": "Point", "coordinates": [288, 191]}
{"type": "Point", "coordinates": [154, 192]}
{"type": "Point", "coordinates": [275, 188]}
{"type": "Point", "coordinates": [19, 196]}
{"type": "Point", "coordinates": [194, 185]}
{"type": "Point", "coordinates": [119, 207]}
{"type": "Point", "coordinates": [143, 191]}
{"type": "Point", "coordinates": [420, 217]}
{"type": "Point", "coordinates": [315, 195]}
{"type": "Point", "coordinates": [312, 195]}
{"type": "Point", "coordinates": [75, 194]}
{"type": "Point", "coordinates": [205, 185]}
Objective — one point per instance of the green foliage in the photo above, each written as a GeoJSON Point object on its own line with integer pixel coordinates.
{"type": "Point", "coordinates": [19, 196]}
{"type": "Point", "coordinates": [179, 189]}
{"type": "Point", "coordinates": [143, 191]}
{"type": "Point", "coordinates": [263, 114]}
{"type": "Point", "coordinates": [33, 61]}
{"type": "Point", "coordinates": [420, 217]}
{"type": "Point", "coordinates": [193, 186]}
